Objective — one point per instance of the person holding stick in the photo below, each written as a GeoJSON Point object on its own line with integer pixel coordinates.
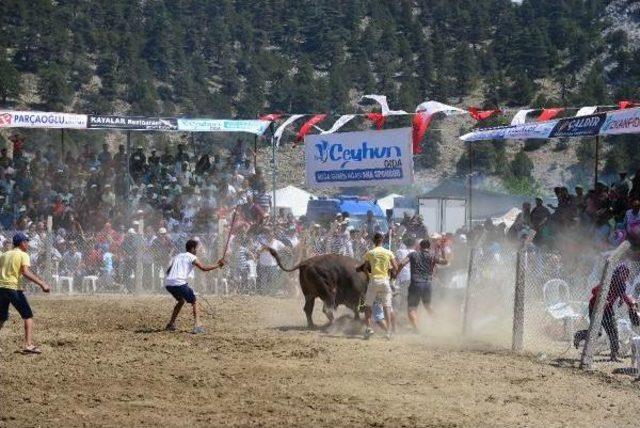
{"type": "Point", "coordinates": [177, 285]}
{"type": "Point", "coordinates": [14, 265]}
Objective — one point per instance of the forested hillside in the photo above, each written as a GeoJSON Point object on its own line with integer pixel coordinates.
{"type": "Point", "coordinates": [227, 58]}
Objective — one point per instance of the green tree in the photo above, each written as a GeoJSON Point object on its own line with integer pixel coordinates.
{"type": "Point", "coordinates": [521, 166]}
{"type": "Point", "coordinates": [54, 89]}
{"type": "Point", "coordinates": [9, 81]}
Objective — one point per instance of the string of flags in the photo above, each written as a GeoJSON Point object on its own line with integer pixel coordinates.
{"type": "Point", "coordinates": [422, 117]}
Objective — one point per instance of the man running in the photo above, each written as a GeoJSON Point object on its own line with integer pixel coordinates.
{"type": "Point", "coordinates": [380, 261]}
{"type": "Point", "coordinates": [176, 283]}
{"type": "Point", "coordinates": [14, 264]}
{"type": "Point", "coordinates": [423, 263]}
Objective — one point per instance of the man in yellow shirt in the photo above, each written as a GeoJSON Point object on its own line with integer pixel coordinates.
{"type": "Point", "coordinates": [380, 261]}
{"type": "Point", "coordinates": [14, 264]}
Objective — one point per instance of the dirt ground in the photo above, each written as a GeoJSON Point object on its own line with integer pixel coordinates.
{"type": "Point", "coordinates": [106, 362]}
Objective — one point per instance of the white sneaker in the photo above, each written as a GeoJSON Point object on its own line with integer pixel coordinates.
{"type": "Point", "coordinates": [368, 333]}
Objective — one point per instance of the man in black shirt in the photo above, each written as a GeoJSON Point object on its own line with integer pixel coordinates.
{"type": "Point", "coordinates": [422, 264]}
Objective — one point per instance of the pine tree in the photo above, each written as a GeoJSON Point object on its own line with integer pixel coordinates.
{"type": "Point", "coordinates": [9, 81]}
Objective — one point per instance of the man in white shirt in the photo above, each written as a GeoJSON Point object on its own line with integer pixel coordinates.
{"type": "Point", "coordinates": [267, 269]}
{"type": "Point", "coordinates": [177, 283]}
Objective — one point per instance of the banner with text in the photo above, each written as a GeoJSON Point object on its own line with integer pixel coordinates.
{"type": "Point", "coordinates": [358, 159]}
{"type": "Point", "coordinates": [578, 126]}
{"type": "Point", "coordinates": [36, 119]}
{"type": "Point", "coordinates": [622, 122]}
{"type": "Point", "coordinates": [133, 123]}
{"type": "Point", "coordinates": [517, 132]}
{"type": "Point", "coordinates": [218, 125]}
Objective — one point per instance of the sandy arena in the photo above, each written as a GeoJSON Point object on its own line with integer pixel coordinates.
{"type": "Point", "coordinates": [107, 363]}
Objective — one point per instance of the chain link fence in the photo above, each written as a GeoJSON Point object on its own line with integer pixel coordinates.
{"type": "Point", "coordinates": [537, 301]}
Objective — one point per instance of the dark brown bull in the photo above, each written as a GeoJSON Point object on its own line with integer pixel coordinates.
{"type": "Point", "coordinates": [333, 278]}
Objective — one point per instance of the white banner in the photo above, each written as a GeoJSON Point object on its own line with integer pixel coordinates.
{"type": "Point", "coordinates": [359, 159]}
{"type": "Point", "coordinates": [219, 125]}
{"type": "Point", "coordinates": [36, 119]}
{"type": "Point", "coordinates": [621, 122]}
{"type": "Point", "coordinates": [384, 106]}
{"type": "Point", "coordinates": [520, 132]}
{"type": "Point", "coordinates": [433, 107]}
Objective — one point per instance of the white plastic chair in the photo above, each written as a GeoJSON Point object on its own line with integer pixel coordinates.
{"type": "Point", "coordinates": [555, 295]}
{"type": "Point", "coordinates": [60, 280]}
{"type": "Point", "coordinates": [91, 279]}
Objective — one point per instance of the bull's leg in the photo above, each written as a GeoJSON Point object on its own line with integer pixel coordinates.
{"type": "Point", "coordinates": [309, 302]}
{"type": "Point", "coordinates": [356, 314]}
{"type": "Point", "coordinates": [328, 311]}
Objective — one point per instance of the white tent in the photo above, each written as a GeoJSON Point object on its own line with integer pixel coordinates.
{"type": "Point", "coordinates": [294, 198]}
{"type": "Point", "coordinates": [508, 218]}
{"type": "Point", "coordinates": [386, 203]}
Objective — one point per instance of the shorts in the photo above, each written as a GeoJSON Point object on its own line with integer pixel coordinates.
{"type": "Point", "coordinates": [182, 292]}
{"type": "Point", "coordinates": [381, 289]}
{"type": "Point", "coordinates": [18, 300]}
{"type": "Point", "coordinates": [418, 292]}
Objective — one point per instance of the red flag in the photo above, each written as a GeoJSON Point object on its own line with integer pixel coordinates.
{"type": "Point", "coordinates": [482, 114]}
{"type": "Point", "coordinates": [378, 118]}
{"type": "Point", "coordinates": [549, 113]}
{"type": "Point", "coordinates": [272, 117]}
{"type": "Point", "coordinates": [421, 123]}
{"type": "Point", "coordinates": [626, 104]}
{"type": "Point", "coordinates": [306, 127]}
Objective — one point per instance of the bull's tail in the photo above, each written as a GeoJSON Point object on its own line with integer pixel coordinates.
{"type": "Point", "coordinates": [275, 255]}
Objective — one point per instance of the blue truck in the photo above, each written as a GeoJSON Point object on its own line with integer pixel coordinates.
{"type": "Point", "coordinates": [324, 210]}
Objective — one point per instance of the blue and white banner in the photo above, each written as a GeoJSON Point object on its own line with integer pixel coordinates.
{"type": "Point", "coordinates": [359, 159]}
{"type": "Point", "coordinates": [257, 127]}
{"type": "Point", "coordinates": [519, 132]}
{"type": "Point", "coordinates": [37, 119]}
{"type": "Point", "coordinates": [622, 122]}
{"type": "Point", "coordinates": [578, 126]}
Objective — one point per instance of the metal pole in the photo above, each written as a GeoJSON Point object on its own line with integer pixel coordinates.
{"type": "Point", "coordinates": [273, 174]}
{"type": "Point", "coordinates": [193, 144]}
{"type": "Point", "coordinates": [517, 338]}
{"type": "Point", "coordinates": [467, 293]}
{"type": "Point", "coordinates": [470, 155]}
{"type": "Point", "coordinates": [128, 171]}
{"type": "Point", "coordinates": [62, 144]}
{"type": "Point", "coordinates": [595, 180]}
{"type": "Point", "coordinates": [255, 151]}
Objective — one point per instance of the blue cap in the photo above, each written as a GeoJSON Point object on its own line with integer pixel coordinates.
{"type": "Point", "coordinates": [19, 238]}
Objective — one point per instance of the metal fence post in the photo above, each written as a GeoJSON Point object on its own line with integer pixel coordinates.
{"type": "Point", "coordinates": [48, 252]}
{"type": "Point", "coordinates": [517, 338]}
{"type": "Point", "coordinates": [586, 360]}
{"type": "Point", "coordinates": [139, 256]}
{"type": "Point", "coordinates": [465, 307]}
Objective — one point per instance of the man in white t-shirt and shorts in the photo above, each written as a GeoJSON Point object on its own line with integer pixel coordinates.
{"type": "Point", "coordinates": [177, 283]}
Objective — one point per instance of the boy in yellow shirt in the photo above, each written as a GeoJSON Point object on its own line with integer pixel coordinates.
{"type": "Point", "coordinates": [14, 264]}
{"type": "Point", "coordinates": [380, 261]}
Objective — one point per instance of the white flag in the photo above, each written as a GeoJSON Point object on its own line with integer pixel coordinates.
{"type": "Point", "coordinates": [432, 107]}
{"type": "Point", "coordinates": [521, 117]}
{"type": "Point", "coordinates": [286, 123]}
{"type": "Point", "coordinates": [586, 111]}
{"type": "Point", "coordinates": [384, 106]}
{"type": "Point", "coordinates": [342, 120]}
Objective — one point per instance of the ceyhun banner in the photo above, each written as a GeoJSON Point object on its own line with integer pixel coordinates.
{"type": "Point", "coordinates": [358, 159]}
{"type": "Point", "coordinates": [37, 119]}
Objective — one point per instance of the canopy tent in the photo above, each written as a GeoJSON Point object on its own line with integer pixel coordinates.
{"type": "Point", "coordinates": [386, 203]}
{"type": "Point", "coordinates": [293, 198]}
{"type": "Point", "coordinates": [508, 218]}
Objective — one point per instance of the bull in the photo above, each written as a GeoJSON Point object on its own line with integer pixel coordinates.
{"type": "Point", "coordinates": [335, 279]}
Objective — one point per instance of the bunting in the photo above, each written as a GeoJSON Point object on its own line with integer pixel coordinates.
{"type": "Point", "coordinates": [433, 107]}
{"type": "Point", "coordinates": [278, 134]}
{"type": "Point", "coordinates": [586, 111]}
{"type": "Point", "coordinates": [306, 127]}
{"type": "Point", "coordinates": [384, 106]}
{"type": "Point", "coordinates": [624, 104]}
{"type": "Point", "coordinates": [420, 124]}
{"type": "Point", "coordinates": [342, 120]}
{"type": "Point", "coordinates": [271, 117]}
{"type": "Point", "coordinates": [478, 114]}
{"type": "Point", "coordinates": [378, 118]}
{"type": "Point", "coordinates": [521, 117]}
{"type": "Point", "coordinates": [549, 113]}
